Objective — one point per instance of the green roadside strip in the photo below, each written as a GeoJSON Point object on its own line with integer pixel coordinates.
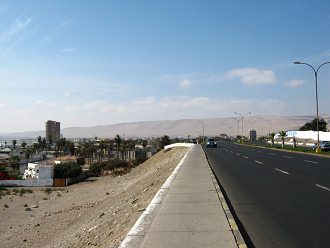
{"type": "Point", "coordinates": [286, 148]}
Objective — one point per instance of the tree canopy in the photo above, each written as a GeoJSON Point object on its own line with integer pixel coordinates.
{"type": "Point", "coordinates": [164, 141]}
{"type": "Point", "coordinates": [312, 125]}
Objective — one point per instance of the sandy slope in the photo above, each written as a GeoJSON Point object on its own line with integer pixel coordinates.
{"type": "Point", "coordinates": [95, 213]}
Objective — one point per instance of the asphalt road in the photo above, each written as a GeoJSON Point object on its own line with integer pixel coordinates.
{"type": "Point", "coordinates": [282, 199]}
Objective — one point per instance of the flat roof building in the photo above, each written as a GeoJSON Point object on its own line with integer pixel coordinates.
{"type": "Point", "coordinates": [53, 131]}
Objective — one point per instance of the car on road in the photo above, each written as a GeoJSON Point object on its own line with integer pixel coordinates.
{"type": "Point", "coordinates": [324, 145]}
{"type": "Point", "coordinates": [211, 143]}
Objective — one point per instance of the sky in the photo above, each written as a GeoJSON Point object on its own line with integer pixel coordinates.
{"type": "Point", "coordinates": [88, 63]}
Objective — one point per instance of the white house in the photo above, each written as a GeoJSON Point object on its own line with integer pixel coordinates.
{"type": "Point", "coordinates": [38, 171]}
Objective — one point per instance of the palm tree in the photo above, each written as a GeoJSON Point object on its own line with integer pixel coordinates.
{"type": "Point", "coordinates": [294, 142]}
{"type": "Point", "coordinates": [102, 146]}
{"type": "Point", "coordinates": [282, 135]}
{"type": "Point", "coordinates": [272, 135]}
{"type": "Point", "coordinates": [118, 142]}
{"type": "Point", "coordinates": [27, 155]}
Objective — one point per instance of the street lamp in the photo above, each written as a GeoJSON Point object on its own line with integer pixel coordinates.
{"type": "Point", "coordinates": [317, 99]}
{"type": "Point", "coordinates": [203, 129]}
{"type": "Point", "coordinates": [242, 116]}
{"type": "Point", "coordinates": [237, 125]}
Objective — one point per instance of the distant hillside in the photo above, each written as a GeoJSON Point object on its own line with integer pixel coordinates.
{"type": "Point", "coordinates": [193, 127]}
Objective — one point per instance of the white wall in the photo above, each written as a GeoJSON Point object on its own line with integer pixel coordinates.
{"type": "Point", "coordinates": [28, 183]}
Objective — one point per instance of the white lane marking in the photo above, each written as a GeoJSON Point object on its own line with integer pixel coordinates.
{"type": "Point", "coordinates": [245, 157]}
{"type": "Point", "coordinates": [313, 162]}
{"type": "Point", "coordinates": [286, 157]}
{"type": "Point", "coordinates": [272, 154]}
{"type": "Point", "coordinates": [282, 171]}
{"type": "Point", "coordinates": [260, 151]}
{"type": "Point", "coordinates": [238, 154]}
{"type": "Point", "coordinates": [258, 162]}
{"type": "Point", "coordinates": [322, 187]}
{"type": "Point", "coordinates": [231, 152]}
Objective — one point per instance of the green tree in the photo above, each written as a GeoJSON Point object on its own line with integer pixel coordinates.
{"type": "Point", "coordinates": [144, 143]}
{"type": "Point", "coordinates": [118, 142]}
{"type": "Point", "coordinates": [24, 144]}
{"type": "Point", "coordinates": [282, 135]}
{"type": "Point", "coordinates": [102, 147]}
{"type": "Point", "coordinates": [65, 170]}
{"type": "Point", "coordinates": [14, 162]}
{"type": "Point", "coordinates": [312, 125]}
{"type": "Point", "coordinates": [272, 135]}
{"type": "Point", "coordinates": [27, 155]}
{"type": "Point", "coordinates": [164, 141]}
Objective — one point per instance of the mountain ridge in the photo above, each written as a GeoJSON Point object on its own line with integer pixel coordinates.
{"type": "Point", "coordinates": [184, 127]}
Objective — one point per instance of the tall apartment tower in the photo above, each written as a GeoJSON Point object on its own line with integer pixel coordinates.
{"type": "Point", "coordinates": [53, 131]}
{"type": "Point", "coordinates": [253, 135]}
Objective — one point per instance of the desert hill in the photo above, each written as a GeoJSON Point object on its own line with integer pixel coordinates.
{"type": "Point", "coordinates": [193, 127]}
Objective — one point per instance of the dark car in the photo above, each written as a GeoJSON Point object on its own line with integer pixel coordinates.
{"type": "Point", "coordinates": [211, 143]}
{"type": "Point", "coordinates": [326, 147]}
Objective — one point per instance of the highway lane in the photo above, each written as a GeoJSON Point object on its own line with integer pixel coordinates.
{"type": "Point", "coordinates": [282, 199]}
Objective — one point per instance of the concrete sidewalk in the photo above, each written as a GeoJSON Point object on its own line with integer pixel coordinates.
{"type": "Point", "coordinates": [189, 211]}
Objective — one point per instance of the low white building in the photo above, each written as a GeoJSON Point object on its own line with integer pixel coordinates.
{"type": "Point", "coordinates": [305, 138]}
{"type": "Point", "coordinates": [38, 171]}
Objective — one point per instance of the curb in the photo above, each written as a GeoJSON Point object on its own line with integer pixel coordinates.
{"type": "Point", "coordinates": [139, 230]}
{"type": "Point", "coordinates": [230, 218]}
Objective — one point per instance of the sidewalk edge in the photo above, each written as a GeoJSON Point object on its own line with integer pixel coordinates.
{"type": "Point", "coordinates": [138, 231]}
{"type": "Point", "coordinates": [230, 218]}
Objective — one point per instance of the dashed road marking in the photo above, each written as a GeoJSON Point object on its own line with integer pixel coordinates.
{"type": "Point", "coordinates": [238, 154]}
{"type": "Point", "coordinates": [322, 187]}
{"type": "Point", "coordinates": [260, 151]}
{"type": "Point", "coordinates": [245, 157]}
{"type": "Point", "coordinates": [282, 171]}
{"type": "Point", "coordinates": [313, 162]}
{"type": "Point", "coordinates": [286, 157]}
{"type": "Point", "coordinates": [272, 154]}
{"type": "Point", "coordinates": [258, 162]}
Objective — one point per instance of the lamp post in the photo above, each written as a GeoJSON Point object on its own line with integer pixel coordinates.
{"type": "Point", "coordinates": [237, 125]}
{"type": "Point", "coordinates": [317, 99]}
{"type": "Point", "coordinates": [242, 116]}
{"type": "Point", "coordinates": [203, 129]}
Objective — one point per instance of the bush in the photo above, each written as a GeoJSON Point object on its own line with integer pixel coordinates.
{"type": "Point", "coordinates": [48, 191]}
{"type": "Point", "coordinates": [81, 161]}
{"type": "Point", "coordinates": [65, 170]}
{"type": "Point", "coordinates": [138, 161]}
{"type": "Point", "coordinates": [97, 168]}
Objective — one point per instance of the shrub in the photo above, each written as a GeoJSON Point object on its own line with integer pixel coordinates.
{"type": "Point", "coordinates": [65, 170]}
{"type": "Point", "coordinates": [48, 191]}
{"type": "Point", "coordinates": [115, 164]}
{"type": "Point", "coordinates": [97, 168]}
{"type": "Point", "coordinates": [138, 161]}
{"type": "Point", "coordinates": [80, 161]}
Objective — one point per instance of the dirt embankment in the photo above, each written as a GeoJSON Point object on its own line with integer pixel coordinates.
{"type": "Point", "coordinates": [96, 213]}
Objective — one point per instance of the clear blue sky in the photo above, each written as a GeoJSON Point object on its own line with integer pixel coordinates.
{"type": "Point", "coordinates": [87, 63]}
